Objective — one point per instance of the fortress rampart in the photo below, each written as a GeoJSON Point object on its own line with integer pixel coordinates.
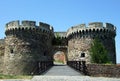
{"type": "Point", "coordinates": [27, 43]}
{"type": "Point", "coordinates": [28, 25]}
{"type": "Point", "coordinates": [92, 27]}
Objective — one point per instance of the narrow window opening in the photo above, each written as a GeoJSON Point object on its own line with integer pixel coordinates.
{"type": "Point", "coordinates": [82, 54]}
{"type": "Point", "coordinates": [45, 53]}
{"type": "Point", "coordinates": [11, 51]}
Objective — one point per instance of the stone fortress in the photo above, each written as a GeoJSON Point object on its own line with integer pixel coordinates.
{"type": "Point", "coordinates": [27, 43]}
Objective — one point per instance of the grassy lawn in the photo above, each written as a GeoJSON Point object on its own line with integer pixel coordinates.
{"type": "Point", "coordinates": [15, 76]}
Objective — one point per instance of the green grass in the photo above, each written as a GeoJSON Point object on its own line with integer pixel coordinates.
{"type": "Point", "coordinates": [58, 61]}
{"type": "Point", "coordinates": [2, 76]}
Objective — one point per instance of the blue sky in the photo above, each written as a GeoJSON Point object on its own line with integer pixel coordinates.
{"type": "Point", "coordinates": [62, 14]}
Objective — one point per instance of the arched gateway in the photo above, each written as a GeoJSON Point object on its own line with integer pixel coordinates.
{"type": "Point", "coordinates": [60, 45]}
{"type": "Point", "coordinates": [60, 53]}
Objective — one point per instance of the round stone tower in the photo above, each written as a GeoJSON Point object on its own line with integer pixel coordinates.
{"type": "Point", "coordinates": [80, 38]}
{"type": "Point", "coordinates": [25, 45]}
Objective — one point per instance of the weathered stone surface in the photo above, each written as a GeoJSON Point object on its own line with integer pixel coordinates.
{"type": "Point", "coordinates": [77, 47]}
{"type": "Point", "coordinates": [2, 49]}
{"type": "Point", "coordinates": [103, 70]}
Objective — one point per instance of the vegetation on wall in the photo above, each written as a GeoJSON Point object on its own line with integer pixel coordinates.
{"type": "Point", "coordinates": [57, 40]}
{"type": "Point", "coordinates": [98, 52]}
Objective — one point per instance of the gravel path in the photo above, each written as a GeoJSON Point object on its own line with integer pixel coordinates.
{"type": "Point", "coordinates": [64, 73]}
{"type": "Point", "coordinates": [72, 78]}
{"type": "Point", "coordinates": [62, 70]}
{"type": "Point", "coordinates": [66, 78]}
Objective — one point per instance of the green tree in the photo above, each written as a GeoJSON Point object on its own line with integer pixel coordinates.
{"type": "Point", "coordinates": [98, 52]}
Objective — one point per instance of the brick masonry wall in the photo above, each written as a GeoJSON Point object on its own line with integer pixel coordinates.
{"type": "Point", "coordinates": [103, 70]}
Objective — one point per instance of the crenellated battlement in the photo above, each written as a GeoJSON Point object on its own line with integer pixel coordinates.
{"type": "Point", "coordinates": [41, 24]}
{"type": "Point", "coordinates": [28, 25]}
{"type": "Point", "coordinates": [94, 26]}
{"type": "Point", "coordinates": [12, 24]}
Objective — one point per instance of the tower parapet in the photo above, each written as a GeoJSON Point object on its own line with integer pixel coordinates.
{"type": "Point", "coordinates": [94, 26]}
{"type": "Point", "coordinates": [41, 24]}
{"type": "Point", "coordinates": [27, 25]}
{"type": "Point", "coordinates": [12, 25]}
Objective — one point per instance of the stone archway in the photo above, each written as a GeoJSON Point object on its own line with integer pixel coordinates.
{"type": "Point", "coordinates": [60, 52]}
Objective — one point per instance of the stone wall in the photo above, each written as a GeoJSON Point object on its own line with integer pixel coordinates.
{"type": "Point", "coordinates": [103, 70]}
{"type": "Point", "coordinates": [2, 49]}
{"type": "Point", "coordinates": [20, 55]}
{"type": "Point", "coordinates": [1, 64]}
{"type": "Point", "coordinates": [78, 46]}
